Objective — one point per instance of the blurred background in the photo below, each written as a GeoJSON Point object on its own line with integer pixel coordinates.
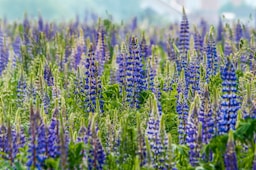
{"type": "Point", "coordinates": [149, 11]}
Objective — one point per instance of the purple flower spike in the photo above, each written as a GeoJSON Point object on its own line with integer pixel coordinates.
{"type": "Point", "coordinates": [92, 83]}
{"type": "Point", "coordinates": [206, 117]}
{"type": "Point", "coordinates": [230, 158]}
{"type": "Point", "coordinates": [229, 101]}
{"type": "Point", "coordinates": [193, 135]}
{"type": "Point", "coordinates": [134, 74]}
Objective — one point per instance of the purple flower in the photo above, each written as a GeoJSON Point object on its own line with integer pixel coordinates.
{"type": "Point", "coordinates": [205, 117]}
{"type": "Point", "coordinates": [220, 30]}
{"type": "Point", "coordinates": [53, 141]}
{"type": "Point", "coordinates": [229, 101]}
{"type": "Point", "coordinates": [170, 51]}
{"type": "Point", "coordinates": [79, 50]}
{"type": "Point", "coordinates": [10, 145]}
{"type": "Point", "coordinates": [100, 52]}
{"type": "Point", "coordinates": [4, 53]}
{"type": "Point", "coordinates": [37, 141]}
{"type": "Point", "coordinates": [48, 77]}
{"type": "Point", "coordinates": [96, 153]}
{"type": "Point", "coordinates": [157, 139]}
{"type": "Point", "coordinates": [212, 58]}
{"type": "Point", "coordinates": [193, 135]}
{"type": "Point", "coordinates": [248, 106]}
{"type": "Point", "coordinates": [134, 74]}
{"type": "Point", "coordinates": [92, 83]}
{"type": "Point", "coordinates": [204, 27]}
{"type": "Point", "coordinates": [239, 33]}
{"type": "Point", "coordinates": [184, 34]}
{"type": "Point", "coordinates": [21, 90]}
{"type": "Point", "coordinates": [122, 67]}
{"type": "Point", "coordinates": [184, 40]}
{"type": "Point", "coordinates": [227, 48]}
{"type": "Point", "coordinates": [17, 48]}
{"type": "Point", "coordinates": [182, 109]}
{"type": "Point", "coordinates": [246, 33]}
{"type": "Point", "coordinates": [134, 24]}
{"type": "Point", "coordinates": [40, 24]}
{"type": "Point", "coordinates": [199, 44]}
{"type": "Point", "coordinates": [230, 158]}
{"type": "Point", "coordinates": [194, 74]}
{"type": "Point", "coordinates": [143, 48]}
{"type": "Point", "coordinates": [83, 135]}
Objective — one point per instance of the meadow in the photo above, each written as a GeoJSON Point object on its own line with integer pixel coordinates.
{"type": "Point", "coordinates": [101, 95]}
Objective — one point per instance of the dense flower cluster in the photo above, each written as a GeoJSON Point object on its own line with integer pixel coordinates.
{"type": "Point", "coordinates": [229, 100]}
{"type": "Point", "coordinates": [99, 95]}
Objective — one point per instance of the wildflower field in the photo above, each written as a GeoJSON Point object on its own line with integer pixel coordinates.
{"type": "Point", "coordinates": [100, 95]}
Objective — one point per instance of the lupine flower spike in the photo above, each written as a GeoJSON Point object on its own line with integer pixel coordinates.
{"type": "Point", "coordinates": [248, 106]}
{"type": "Point", "coordinates": [193, 134]}
{"type": "Point", "coordinates": [230, 159]}
{"type": "Point", "coordinates": [206, 117]}
{"type": "Point", "coordinates": [229, 100]}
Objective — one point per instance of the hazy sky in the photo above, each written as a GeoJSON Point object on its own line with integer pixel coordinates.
{"type": "Point", "coordinates": [68, 9]}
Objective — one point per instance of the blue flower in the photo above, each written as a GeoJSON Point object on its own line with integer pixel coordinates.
{"type": "Point", "coordinates": [248, 107]}
{"type": "Point", "coordinates": [193, 135]}
{"type": "Point", "coordinates": [204, 27]}
{"type": "Point", "coordinates": [182, 109]}
{"type": "Point", "coordinates": [48, 77]}
{"type": "Point", "coordinates": [16, 45]}
{"type": "Point", "coordinates": [37, 141]}
{"type": "Point", "coordinates": [96, 153]}
{"type": "Point", "coordinates": [199, 44]}
{"type": "Point", "coordinates": [238, 33]}
{"type": "Point", "coordinates": [100, 52]}
{"type": "Point", "coordinates": [170, 51]}
{"type": "Point", "coordinates": [121, 61]}
{"type": "Point", "coordinates": [227, 48]}
{"type": "Point", "coordinates": [79, 50]}
{"type": "Point", "coordinates": [205, 117]}
{"type": "Point", "coordinates": [212, 58]}
{"type": "Point", "coordinates": [40, 24]}
{"type": "Point", "coordinates": [143, 49]}
{"type": "Point", "coordinates": [4, 53]}
{"type": "Point", "coordinates": [229, 101]}
{"type": "Point", "coordinates": [230, 158]}
{"type": "Point", "coordinates": [194, 74]}
{"type": "Point", "coordinates": [134, 74]}
{"type": "Point", "coordinates": [92, 87]}
{"type": "Point", "coordinates": [158, 140]}
{"type": "Point", "coordinates": [184, 36]}
{"type": "Point", "coordinates": [220, 30]}
{"type": "Point", "coordinates": [53, 140]}
{"type": "Point", "coordinates": [21, 91]}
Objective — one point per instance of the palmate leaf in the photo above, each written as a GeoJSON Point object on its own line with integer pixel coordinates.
{"type": "Point", "coordinates": [144, 95]}
{"type": "Point", "coordinates": [205, 166]}
{"type": "Point", "coordinates": [217, 146]}
{"type": "Point", "coordinates": [111, 97]}
{"type": "Point", "coordinates": [181, 158]}
{"type": "Point", "coordinates": [245, 131]}
{"type": "Point", "coordinates": [245, 159]}
{"type": "Point", "coordinates": [215, 83]}
{"type": "Point", "coordinates": [244, 134]}
{"type": "Point", "coordinates": [5, 164]}
{"type": "Point", "coordinates": [75, 155]}
{"type": "Point", "coordinates": [52, 163]}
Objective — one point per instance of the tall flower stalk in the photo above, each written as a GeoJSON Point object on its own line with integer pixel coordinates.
{"type": "Point", "coordinates": [230, 157]}
{"type": "Point", "coordinates": [92, 82]}
{"type": "Point", "coordinates": [229, 99]}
